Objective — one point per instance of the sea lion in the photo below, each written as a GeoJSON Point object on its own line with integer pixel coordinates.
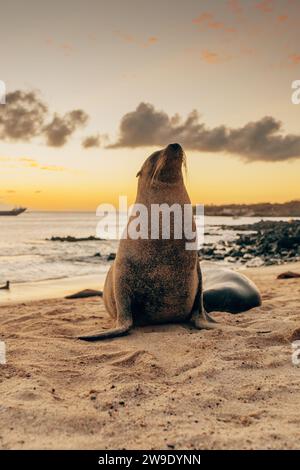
{"type": "Point", "coordinates": [288, 275]}
{"type": "Point", "coordinates": [6, 287]}
{"type": "Point", "coordinates": [156, 281]}
{"type": "Point", "coordinates": [225, 290]}
{"type": "Point", "coordinates": [84, 294]}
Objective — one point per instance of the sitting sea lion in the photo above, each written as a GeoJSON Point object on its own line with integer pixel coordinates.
{"type": "Point", "coordinates": [156, 281]}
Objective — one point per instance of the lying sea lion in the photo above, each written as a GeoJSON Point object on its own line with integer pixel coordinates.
{"type": "Point", "coordinates": [156, 281]}
{"type": "Point", "coordinates": [85, 293]}
{"type": "Point", "coordinates": [288, 275]}
{"type": "Point", "coordinates": [225, 290]}
{"type": "Point", "coordinates": [6, 286]}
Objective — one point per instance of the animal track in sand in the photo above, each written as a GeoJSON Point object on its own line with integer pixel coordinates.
{"type": "Point", "coordinates": [27, 395]}
{"type": "Point", "coordinates": [132, 358]}
{"type": "Point", "coordinates": [102, 357]}
{"type": "Point", "coordinates": [267, 340]}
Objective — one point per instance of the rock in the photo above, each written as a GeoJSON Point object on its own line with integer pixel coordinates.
{"type": "Point", "coordinates": [71, 239]}
{"type": "Point", "coordinates": [111, 257]}
{"type": "Point", "coordinates": [255, 262]}
{"type": "Point", "coordinates": [288, 275]}
{"type": "Point", "coordinates": [208, 251]}
{"type": "Point", "coordinates": [235, 253]}
{"type": "Point", "coordinates": [219, 257]}
{"type": "Point", "coordinates": [272, 261]}
{"type": "Point", "coordinates": [230, 259]}
{"type": "Point", "coordinates": [273, 242]}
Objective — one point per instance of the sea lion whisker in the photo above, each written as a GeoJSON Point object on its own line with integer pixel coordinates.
{"type": "Point", "coordinates": [184, 163]}
{"type": "Point", "coordinates": [158, 166]}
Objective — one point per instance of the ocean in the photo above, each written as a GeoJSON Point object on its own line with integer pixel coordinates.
{"type": "Point", "coordinates": [27, 254]}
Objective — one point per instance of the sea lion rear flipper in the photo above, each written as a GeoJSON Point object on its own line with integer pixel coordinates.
{"type": "Point", "coordinates": [113, 333]}
{"type": "Point", "coordinates": [123, 313]}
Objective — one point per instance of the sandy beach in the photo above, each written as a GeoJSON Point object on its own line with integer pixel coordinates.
{"type": "Point", "coordinates": [161, 387]}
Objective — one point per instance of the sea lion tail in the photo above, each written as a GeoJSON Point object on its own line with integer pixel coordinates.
{"type": "Point", "coordinates": [114, 333]}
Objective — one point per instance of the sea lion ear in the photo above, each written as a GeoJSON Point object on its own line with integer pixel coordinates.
{"type": "Point", "coordinates": [138, 173]}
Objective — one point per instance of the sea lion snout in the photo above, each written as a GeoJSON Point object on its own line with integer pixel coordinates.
{"type": "Point", "coordinates": [163, 166]}
{"type": "Point", "coordinates": [176, 147]}
{"type": "Point", "coordinates": [174, 150]}
{"type": "Point", "coordinates": [173, 158]}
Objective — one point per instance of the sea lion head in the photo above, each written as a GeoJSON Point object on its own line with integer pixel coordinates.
{"type": "Point", "coordinates": [163, 166]}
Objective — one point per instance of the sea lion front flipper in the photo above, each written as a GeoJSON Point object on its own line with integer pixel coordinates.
{"type": "Point", "coordinates": [209, 318]}
{"type": "Point", "coordinates": [204, 322]}
{"type": "Point", "coordinates": [200, 318]}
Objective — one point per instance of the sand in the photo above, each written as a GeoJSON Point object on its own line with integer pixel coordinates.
{"type": "Point", "coordinates": [161, 387]}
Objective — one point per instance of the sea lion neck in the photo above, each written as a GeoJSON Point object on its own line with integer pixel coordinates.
{"type": "Point", "coordinates": [159, 192]}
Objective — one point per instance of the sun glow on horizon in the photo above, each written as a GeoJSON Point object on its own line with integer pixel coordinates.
{"type": "Point", "coordinates": [211, 179]}
{"type": "Point", "coordinates": [233, 63]}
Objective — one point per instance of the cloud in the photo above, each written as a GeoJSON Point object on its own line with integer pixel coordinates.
{"type": "Point", "coordinates": [203, 18]}
{"type": "Point", "coordinates": [66, 47]}
{"type": "Point", "coordinates": [282, 18]}
{"type": "Point", "coordinates": [52, 168]}
{"type": "Point", "coordinates": [265, 6]}
{"type": "Point", "coordinates": [207, 20]}
{"type": "Point", "coordinates": [247, 51]}
{"type": "Point", "coordinates": [31, 163]}
{"type": "Point", "coordinates": [25, 117]}
{"type": "Point", "coordinates": [256, 141]}
{"type": "Point", "coordinates": [130, 39]}
{"type": "Point", "coordinates": [152, 40]}
{"type": "Point", "coordinates": [26, 160]}
{"type": "Point", "coordinates": [235, 6]}
{"type": "Point", "coordinates": [211, 57]}
{"type": "Point", "coordinates": [91, 141]}
{"type": "Point", "coordinates": [59, 130]}
{"type": "Point", "coordinates": [22, 117]}
{"type": "Point", "coordinates": [295, 59]}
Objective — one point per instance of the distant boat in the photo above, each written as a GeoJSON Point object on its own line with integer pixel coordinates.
{"type": "Point", "coordinates": [16, 211]}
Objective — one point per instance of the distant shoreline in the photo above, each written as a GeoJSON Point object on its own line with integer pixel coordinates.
{"type": "Point", "coordinates": [261, 209]}
{"type": "Point", "coordinates": [287, 209]}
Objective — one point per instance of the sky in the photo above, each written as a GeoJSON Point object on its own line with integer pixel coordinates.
{"type": "Point", "coordinates": [94, 87]}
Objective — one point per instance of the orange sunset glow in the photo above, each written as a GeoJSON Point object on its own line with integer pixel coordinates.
{"type": "Point", "coordinates": [106, 88]}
